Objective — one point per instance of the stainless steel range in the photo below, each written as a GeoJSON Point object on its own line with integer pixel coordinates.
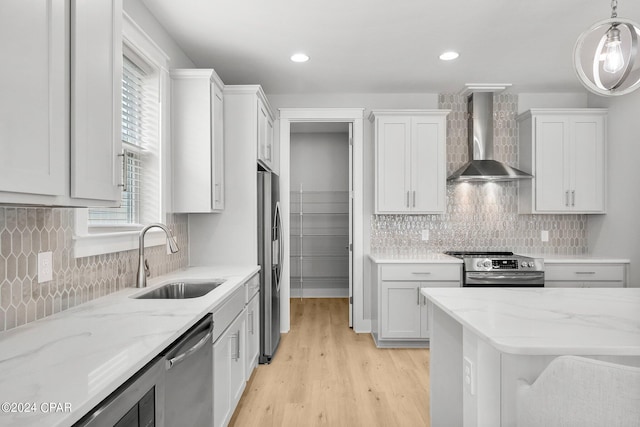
{"type": "Point", "coordinates": [500, 269]}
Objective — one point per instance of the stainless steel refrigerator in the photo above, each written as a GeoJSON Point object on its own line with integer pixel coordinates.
{"type": "Point", "coordinates": [270, 241]}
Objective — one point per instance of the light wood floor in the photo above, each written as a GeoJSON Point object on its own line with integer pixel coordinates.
{"type": "Point", "coordinates": [324, 374]}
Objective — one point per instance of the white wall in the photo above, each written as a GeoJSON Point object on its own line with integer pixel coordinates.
{"type": "Point", "coordinates": [527, 101]}
{"type": "Point", "coordinates": [617, 234]}
{"type": "Point", "coordinates": [320, 161]}
{"type": "Point", "coordinates": [141, 15]}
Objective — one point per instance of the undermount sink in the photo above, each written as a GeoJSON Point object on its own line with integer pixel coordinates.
{"type": "Point", "coordinates": [181, 290]}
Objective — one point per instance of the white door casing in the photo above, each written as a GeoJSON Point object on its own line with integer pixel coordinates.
{"type": "Point", "coordinates": [328, 115]}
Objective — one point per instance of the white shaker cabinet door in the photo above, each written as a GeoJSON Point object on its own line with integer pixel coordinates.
{"type": "Point", "coordinates": [428, 160]}
{"type": "Point", "coordinates": [552, 173]}
{"type": "Point", "coordinates": [587, 163]}
{"type": "Point", "coordinates": [400, 310]}
{"type": "Point", "coordinates": [221, 378]}
{"type": "Point", "coordinates": [393, 150]}
{"type": "Point", "coordinates": [96, 84]}
{"type": "Point", "coordinates": [34, 102]}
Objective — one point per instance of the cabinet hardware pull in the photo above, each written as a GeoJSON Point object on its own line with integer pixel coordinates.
{"type": "Point", "coordinates": [414, 198]}
{"type": "Point", "coordinates": [421, 272]}
{"type": "Point", "coordinates": [251, 322]}
{"type": "Point", "coordinates": [238, 347]}
{"type": "Point", "coordinates": [124, 171]}
{"type": "Point", "coordinates": [566, 198]}
{"type": "Point", "coordinates": [585, 272]}
{"type": "Point", "coordinates": [418, 289]}
{"type": "Point", "coordinates": [235, 354]}
{"type": "Point", "coordinates": [573, 197]}
{"type": "Point", "coordinates": [407, 199]}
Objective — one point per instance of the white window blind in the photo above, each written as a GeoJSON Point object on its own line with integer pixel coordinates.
{"type": "Point", "coordinates": [134, 120]}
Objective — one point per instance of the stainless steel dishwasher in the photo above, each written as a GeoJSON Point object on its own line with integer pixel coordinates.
{"type": "Point", "coordinates": [188, 381]}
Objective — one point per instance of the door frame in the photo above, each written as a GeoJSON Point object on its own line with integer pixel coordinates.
{"type": "Point", "coordinates": [327, 115]}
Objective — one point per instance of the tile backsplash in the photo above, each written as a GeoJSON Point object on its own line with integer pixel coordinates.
{"type": "Point", "coordinates": [24, 232]}
{"type": "Point", "coordinates": [480, 216]}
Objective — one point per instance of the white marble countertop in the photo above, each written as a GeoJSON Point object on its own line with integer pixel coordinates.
{"type": "Point", "coordinates": [545, 321]}
{"type": "Point", "coordinates": [396, 258]}
{"type": "Point", "coordinates": [579, 259]}
{"type": "Point", "coordinates": [429, 258]}
{"type": "Point", "coordinates": [79, 356]}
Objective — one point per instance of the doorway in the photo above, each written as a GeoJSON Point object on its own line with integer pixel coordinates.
{"type": "Point", "coordinates": [320, 209]}
{"type": "Point", "coordinates": [342, 116]}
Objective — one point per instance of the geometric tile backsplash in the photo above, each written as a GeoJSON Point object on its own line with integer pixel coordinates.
{"type": "Point", "coordinates": [480, 216]}
{"type": "Point", "coordinates": [26, 231]}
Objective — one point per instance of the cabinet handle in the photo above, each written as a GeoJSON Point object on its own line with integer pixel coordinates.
{"type": "Point", "coordinates": [566, 198]}
{"type": "Point", "coordinates": [251, 322]}
{"type": "Point", "coordinates": [573, 197]}
{"type": "Point", "coordinates": [217, 192]}
{"type": "Point", "coordinates": [418, 289]}
{"type": "Point", "coordinates": [421, 272]}
{"type": "Point", "coordinates": [236, 353]}
{"type": "Point", "coordinates": [123, 185]}
{"type": "Point", "coordinates": [238, 347]}
{"type": "Point", "coordinates": [414, 198]}
{"type": "Point", "coordinates": [585, 272]}
{"type": "Point", "coordinates": [407, 199]}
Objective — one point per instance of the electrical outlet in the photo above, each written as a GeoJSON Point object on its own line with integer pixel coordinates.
{"type": "Point", "coordinates": [468, 375]}
{"type": "Point", "coordinates": [45, 267]}
{"type": "Point", "coordinates": [544, 235]}
{"type": "Point", "coordinates": [425, 235]}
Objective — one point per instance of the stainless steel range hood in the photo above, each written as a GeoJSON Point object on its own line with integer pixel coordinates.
{"type": "Point", "coordinates": [482, 166]}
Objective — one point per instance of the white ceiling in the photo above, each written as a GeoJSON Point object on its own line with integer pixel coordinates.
{"type": "Point", "coordinates": [386, 46]}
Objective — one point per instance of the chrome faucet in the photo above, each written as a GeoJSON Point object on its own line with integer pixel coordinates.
{"type": "Point", "coordinates": [143, 265]}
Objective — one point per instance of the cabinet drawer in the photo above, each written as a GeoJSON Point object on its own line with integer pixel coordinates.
{"type": "Point", "coordinates": [421, 272]}
{"type": "Point", "coordinates": [584, 272]}
{"type": "Point", "coordinates": [224, 315]}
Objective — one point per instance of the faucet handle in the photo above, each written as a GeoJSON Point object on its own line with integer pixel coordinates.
{"type": "Point", "coordinates": [147, 272]}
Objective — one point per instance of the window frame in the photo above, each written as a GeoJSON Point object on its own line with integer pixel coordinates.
{"type": "Point", "coordinates": [99, 239]}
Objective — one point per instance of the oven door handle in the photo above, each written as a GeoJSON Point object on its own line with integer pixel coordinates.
{"type": "Point", "coordinates": [504, 278]}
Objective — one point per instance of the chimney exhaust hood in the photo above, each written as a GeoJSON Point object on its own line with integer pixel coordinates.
{"type": "Point", "coordinates": [483, 167]}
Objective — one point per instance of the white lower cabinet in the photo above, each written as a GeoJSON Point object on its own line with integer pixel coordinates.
{"type": "Point", "coordinates": [400, 316]}
{"type": "Point", "coordinates": [252, 335]}
{"type": "Point", "coordinates": [585, 275]}
{"type": "Point", "coordinates": [236, 346]}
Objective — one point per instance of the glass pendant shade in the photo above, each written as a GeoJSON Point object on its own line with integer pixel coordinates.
{"type": "Point", "coordinates": [605, 57]}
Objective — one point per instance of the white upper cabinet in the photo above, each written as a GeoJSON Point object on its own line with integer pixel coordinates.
{"type": "Point", "coordinates": [34, 107]}
{"type": "Point", "coordinates": [565, 151]}
{"type": "Point", "coordinates": [197, 127]}
{"type": "Point", "coordinates": [60, 104]}
{"type": "Point", "coordinates": [96, 89]}
{"type": "Point", "coordinates": [265, 135]}
{"type": "Point", "coordinates": [410, 159]}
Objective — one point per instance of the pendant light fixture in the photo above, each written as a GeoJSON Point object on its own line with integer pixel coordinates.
{"type": "Point", "coordinates": [605, 56]}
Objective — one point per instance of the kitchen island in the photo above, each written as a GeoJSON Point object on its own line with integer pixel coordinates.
{"type": "Point", "coordinates": [483, 340]}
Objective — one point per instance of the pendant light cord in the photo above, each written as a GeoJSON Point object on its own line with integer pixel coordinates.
{"type": "Point", "coordinates": [614, 8]}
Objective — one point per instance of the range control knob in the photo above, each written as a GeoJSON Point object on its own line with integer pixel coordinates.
{"type": "Point", "coordinates": [532, 264]}
{"type": "Point", "coordinates": [479, 264]}
{"type": "Point", "coordinates": [487, 263]}
{"type": "Point", "coordinates": [523, 264]}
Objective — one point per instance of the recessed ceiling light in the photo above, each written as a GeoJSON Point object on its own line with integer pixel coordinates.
{"type": "Point", "coordinates": [299, 57]}
{"type": "Point", "coordinates": [450, 55]}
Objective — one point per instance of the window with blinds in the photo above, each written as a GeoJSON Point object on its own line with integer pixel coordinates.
{"type": "Point", "coordinates": [134, 124]}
